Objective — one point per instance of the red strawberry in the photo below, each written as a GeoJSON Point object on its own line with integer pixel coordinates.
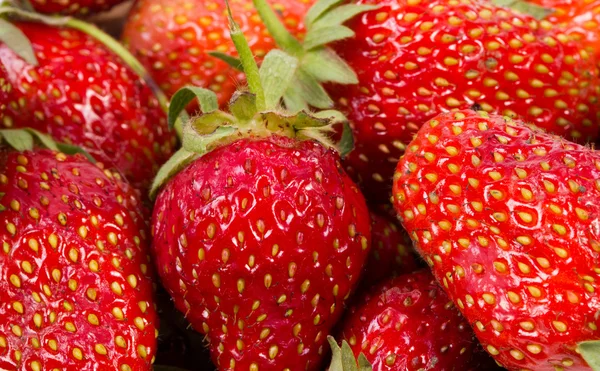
{"type": "Point", "coordinates": [259, 234]}
{"type": "Point", "coordinates": [408, 323]}
{"type": "Point", "coordinates": [507, 217]}
{"type": "Point", "coordinates": [172, 38]}
{"type": "Point", "coordinates": [391, 252]}
{"type": "Point", "coordinates": [82, 93]}
{"type": "Point", "coordinates": [73, 7]}
{"type": "Point", "coordinates": [415, 59]}
{"type": "Point", "coordinates": [75, 289]}
{"type": "Point", "coordinates": [581, 19]}
{"type": "Point", "coordinates": [271, 232]}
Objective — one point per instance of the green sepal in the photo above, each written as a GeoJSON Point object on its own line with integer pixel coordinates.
{"type": "Point", "coordinates": [523, 6]}
{"type": "Point", "coordinates": [278, 31]}
{"type": "Point", "coordinates": [326, 66]}
{"type": "Point", "coordinates": [590, 351]}
{"type": "Point", "coordinates": [24, 140]}
{"type": "Point", "coordinates": [207, 100]}
{"type": "Point", "coordinates": [230, 60]}
{"type": "Point", "coordinates": [293, 100]}
{"type": "Point", "coordinates": [175, 164]}
{"type": "Point", "coordinates": [20, 140]}
{"type": "Point", "coordinates": [243, 105]}
{"type": "Point", "coordinates": [342, 359]}
{"type": "Point", "coordinates": [202, 144]}
{"type": "Point", "coordinates": [276, 73]}
{"type": "Point", "coordinates": [16, 41]}
{"type": "Point", "coordinates": [310, 90]}
{"type": "Point", "coordinates": [325, 35]}
{"type": "Point", "coordinates": [318, 9]}
{"type": "Point", "coordinates": [341, 15]}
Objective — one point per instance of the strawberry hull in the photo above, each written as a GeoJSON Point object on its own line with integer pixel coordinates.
{"type": "Point", "coordinates": [259, 243]}
{"type": "Point", "coordinates": [507, 217]}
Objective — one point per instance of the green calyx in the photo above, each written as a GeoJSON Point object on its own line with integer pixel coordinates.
{"type": "Point", "coordinates": [21, 45]}
{"type": "Point", "coordinates": [590, 351]}
{"type": "Point", "coordinates": [253, 114]}
{"type": "Point", "coordinates": [523, 6]}
{"type": "Point", "coordinates": [342, 359]}
{"type": "Point", "coordinates": [315, 62]}
{"type": "Point", "coordinates": [27, 139]}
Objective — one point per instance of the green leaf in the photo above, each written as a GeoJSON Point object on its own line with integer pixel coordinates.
{"type": "Point", "coordinates": [16, 41]}
{"type": "Point", "coordinates": [46, 140]}
{"type": "Point", "coordinates": [20, 140]}
{"type": "Point", "coordinates": [230, 60]}
{"type": "Point", "coordinates": [522, 6]}
{"type": "Point", "coordinates": [346, 143]}
{"type": "Point", "coordinates": [326, 66]}
{"type": "Point", "coordinates": [311, 91]}
{"type": "Point", "coordinates": [243, 105]}
{"type": "Point", "coordinates": [341, 15]}
{"type": "Point", "coordinates": [318, 9]}
{"type": "Point", "coordinates": [343, 359]}
{"type": "Point", "coordinates": [175, 164]}
{"type": "Point", "coordinates": [201, 144]}
{"type": "Point", "coordinates": [206, 99]}
{"type": "Point", "coordinates": [69, 149]}
{"type": "Point", "coordinates": [325, 35]}
{"type": "Point", "coordinates": [276, 74]}
{"type": "Point", "coordinates": [590, 351]}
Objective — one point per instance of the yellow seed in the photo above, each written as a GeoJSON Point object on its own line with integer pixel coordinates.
{"type": "Point", "coordinates": [559, 326]}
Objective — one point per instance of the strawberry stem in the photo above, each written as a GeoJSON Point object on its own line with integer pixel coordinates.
{"type": "Point", "coordinates": [247, 58]}
{"type": "Point", "coordinates": [283, 38]}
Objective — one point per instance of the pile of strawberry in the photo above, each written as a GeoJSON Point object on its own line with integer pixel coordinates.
{"type": "Point", "coordinates": [300, 185]}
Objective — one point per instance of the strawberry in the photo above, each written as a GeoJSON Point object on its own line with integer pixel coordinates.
{"type": "Point", "coordinates": [75, 285]}
{"type": "Point", "coordinates": [408, 323]}
{"type": "Point", "coordinates": [581, 19]}
{"type": "Point", "coordinates": [415, 59]}
{"type": "Point", "coordinates": [258, 233]}
{"type": "Point", "coordinates": [391, 251]}
{"type": "Point", "coordinates": [172, 39]}
{"type": "Point", "coordinates": [506, 215]}
{"type": "Point", "coordinates": [72, 7]}
{"type": "Point", "coordinates": [80, 92]}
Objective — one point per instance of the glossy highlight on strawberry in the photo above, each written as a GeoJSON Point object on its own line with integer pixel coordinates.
{"type": "Point", "coordinates": [82, 93]}
{"type": "Point", "coordinates": [172, 39]}
{"type": "Point", "coordinates": [75, 276]}
{"type": "Point", "coordinates": [416, 59]}
{"type": "Point", "coordinates": [259, 243]}
{"type": "Point", "coordinates": [506, 215]}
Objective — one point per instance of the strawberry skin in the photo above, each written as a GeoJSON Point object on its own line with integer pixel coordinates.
{"type": "Point", "coordinates": [408, 323]}
{"type": "Point", "coordinates": [507, 217]}
{"type": "Point", "coordinates": [73, 7]}
{"type": "Point", "coordinates": [75, 287]}
{"type": "Point", "coordinates": [259, 243]}
{"type": "Point", "coordinates": [416, 59]}
{"type": "Point", "coordinates": [391, 250]}
{"type": "Point", "coordinates": [82, 93]}
{"type": "Point", "coordinates": [172, 38]}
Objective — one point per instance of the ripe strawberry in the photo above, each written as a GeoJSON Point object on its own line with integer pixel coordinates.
{"type": "Point", "coordinates": [258, 233]}
{"type": "Point", "coordinates": [270, 233]}
{"type": "Point", "coordinates": [75, 290]}
{"type": "Point", "coordinates": [82, 93]}
{"type": "Point", "coordinates": [391, 251]}
{"type": "Point", "coordinates": [581, 19]}
{"type": "Point", "coordinates": [73, 7]}
{"type": "Point", "coordinates": [172, 38]}
{"type": "Point", "coordinates": [408, 323]}
{"type": "Point", "coordinates": [507, 217]}
{"type": "Point", "coordinates": [415, 59]}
